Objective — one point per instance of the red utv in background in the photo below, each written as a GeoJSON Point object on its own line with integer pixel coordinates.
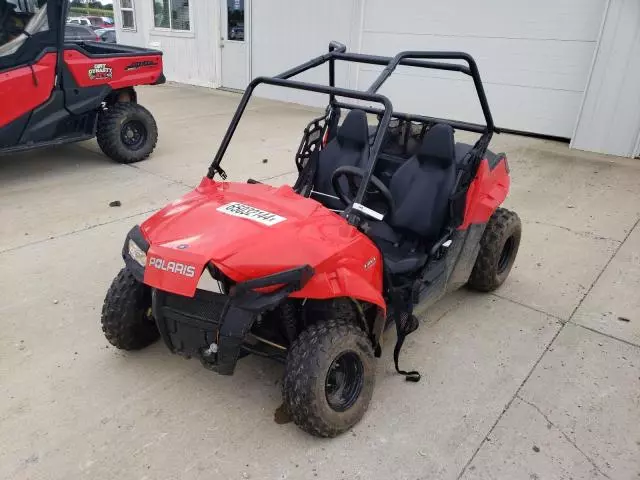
{"type": "Point", "coordinates": [55, 91]}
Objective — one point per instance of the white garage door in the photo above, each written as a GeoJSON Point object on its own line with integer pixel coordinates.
{"type": "Point", "coordinates": [287, 33]}
{"type": "Point", "coordinates": [534, 57]}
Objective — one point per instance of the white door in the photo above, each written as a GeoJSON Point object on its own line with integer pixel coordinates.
{"type": "Point", "coordinates": [234, 51]}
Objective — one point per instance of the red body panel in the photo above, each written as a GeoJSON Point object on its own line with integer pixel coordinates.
{"type": "Point", "coordinates": [487, 191]}
{"type": "Point", "coordinates": [23, 89]}
{"type": "Point", "coordinates": [118, 72]}
{"type": "Point", "coordinates": [192, 232]}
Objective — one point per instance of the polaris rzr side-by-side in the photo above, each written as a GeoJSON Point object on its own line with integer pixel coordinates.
{"type": "Point", "coordinates": [381, 218]}
{"type": "Point", "coordinates": [53, 91]}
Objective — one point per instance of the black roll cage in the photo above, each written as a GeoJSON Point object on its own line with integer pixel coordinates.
{"type": "Point", "coordinates": [338, 51]}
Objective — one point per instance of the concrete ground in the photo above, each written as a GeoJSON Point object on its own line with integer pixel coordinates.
{"type": "Point", "coordinates": [540, 380]}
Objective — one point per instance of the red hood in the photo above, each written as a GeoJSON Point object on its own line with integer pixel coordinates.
{"type": "Point", "coordinates": [274, 229]}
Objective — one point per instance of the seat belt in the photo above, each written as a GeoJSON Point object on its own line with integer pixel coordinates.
{"type": "Point", "coordinates": [406, 323]}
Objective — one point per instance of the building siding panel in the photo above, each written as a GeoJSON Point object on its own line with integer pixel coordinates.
{"type": "Point", "coordinates": [610, 118]}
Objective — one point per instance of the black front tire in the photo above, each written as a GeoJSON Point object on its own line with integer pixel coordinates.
{"type": "Point", "coordinates": [311, 392]}
{"type": "Point", "coordinates": [126, 318]}
{"type": "Point", "coordinates": [498, 249]}
{"type": "Point", "coordinates": [127, 132]}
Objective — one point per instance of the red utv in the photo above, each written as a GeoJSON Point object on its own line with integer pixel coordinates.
{"type": "Point", "coordinates": [55, 92]}
{"type": "Point", "coordinates": [381, 218]}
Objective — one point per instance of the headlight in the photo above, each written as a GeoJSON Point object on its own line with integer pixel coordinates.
{"type": "Point", "coordinates": [137, 254]}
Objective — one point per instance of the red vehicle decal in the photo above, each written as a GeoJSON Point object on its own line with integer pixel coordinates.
{"type": "Point", "coordinates": [24, 88]}
{"type": "Point", "coordinates": [487, 191]}
{"type": "Point", "coordinates": [118, 72]}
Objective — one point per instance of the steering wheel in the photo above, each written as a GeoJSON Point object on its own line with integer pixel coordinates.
{"type": "Point", "coordinates": [352, 173]}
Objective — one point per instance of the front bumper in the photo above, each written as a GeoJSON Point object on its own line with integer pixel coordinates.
{"type": "Point", "coordinates": [213, 326]}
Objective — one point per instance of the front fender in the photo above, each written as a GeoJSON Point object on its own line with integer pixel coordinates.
{"type": "Point", "coordinates": [343, 282]}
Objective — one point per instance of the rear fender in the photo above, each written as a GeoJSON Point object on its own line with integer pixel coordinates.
{"type": "Point", "coordinates": [125, 95]}
{"type": "Point", "coordinates": [487, 191]}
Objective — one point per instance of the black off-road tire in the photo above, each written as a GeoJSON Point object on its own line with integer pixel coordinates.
{"type": "Point", "coordinates": [109, 134]}
{"type": "Point", "coordinates": [310, 357]}
{"type": "Point", "coordinates": [498, 249]}
{"type": "Point", "coordinates": [126, 320]}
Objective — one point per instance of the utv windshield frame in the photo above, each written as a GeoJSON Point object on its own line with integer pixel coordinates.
{"type": "Point", "coordinates": [338, 52]}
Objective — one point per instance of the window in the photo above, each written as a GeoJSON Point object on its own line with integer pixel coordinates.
{"type": "Point", "coordinates": [128, 17]}
{"type": "Point", "coordinates": [20, 20]}
{"type": "Point", "coordinates": [235, 20]}
{"type": "Point", "coordinates": [173, 14]}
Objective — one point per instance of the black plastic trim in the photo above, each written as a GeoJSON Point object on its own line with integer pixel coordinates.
{"type": "Point", "coordinates": [10, 133]}
{"type": "Point", "coordinates": [51, 143]}
{"type": "Point", "coordinates": [111, 50]}
{"type": "Point", "coordinates": [134, 267]}
{"type": "Point", "coordinates": [46, 120]}
{"type": "Point", "coordinates": [296, 277]}
{"type": "Point", "coordinates": [494, 159]}
{"type": "Point", "coordinates": [31, 62]}
{"type": "Point", "coordinates": [160, 80]}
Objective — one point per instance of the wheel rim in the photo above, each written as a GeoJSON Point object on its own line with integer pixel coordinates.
{"type": "Point", "coordinates": [133, 134]}
{"type": "Point", "coordinates": [506, 254]}
{"type": "Point", "coordinates": [344, 381]}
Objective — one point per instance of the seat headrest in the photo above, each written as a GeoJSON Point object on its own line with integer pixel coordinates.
{"type": "Point", "coordinates": [354, 129]}
{"type": "Point", "coordinates": [437, 146]}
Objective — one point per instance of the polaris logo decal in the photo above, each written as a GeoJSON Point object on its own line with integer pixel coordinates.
{"type": "Point", "coordinates": [100, 71]}
{"type": "Point", "coordinates": [137, 65]}
{"type": "Point", "coordinates": [174, 267]}
{"type": "Point", "coordinates": [251, 213]}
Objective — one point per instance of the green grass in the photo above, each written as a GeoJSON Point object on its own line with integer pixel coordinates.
{"type": "Point", "coordinates": [79, 11]}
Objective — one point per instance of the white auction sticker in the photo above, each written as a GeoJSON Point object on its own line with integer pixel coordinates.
{"type": "Point", "coordinates": [251, 213]}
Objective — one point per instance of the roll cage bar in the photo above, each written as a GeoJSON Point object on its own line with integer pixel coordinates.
{"type": "Point", "coordinates": [338, 51]}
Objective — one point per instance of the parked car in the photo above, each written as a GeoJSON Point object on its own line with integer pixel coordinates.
{"type": "Point", "coordinates": [79, 21]}
{"type": "Point", "coordinates": [107, 35]}
{"type": "Point", "coordinates": [237, 33]}
{"type": "Point", "coordinates": [97, 22]}
{"type": "Point", "coordinates": [79, 33]}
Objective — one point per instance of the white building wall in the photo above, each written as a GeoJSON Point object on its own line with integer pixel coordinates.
{"type": "Point", "coordinates": [138, 36]}
{"type": "Point", "coordinates": [188, 57]}
{"type": "Point", "coordinates": [533, 56]}
{"type": "Point", "coordinates": [286, 33]}
{"type": "Point", "coordinates": [610, 118]}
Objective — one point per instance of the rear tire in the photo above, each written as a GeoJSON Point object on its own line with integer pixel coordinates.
{"type": "Point", "coordinates": [498, 249]}
{"type": "Point", "coordinates": [127, 132]}
{"type": "Point", "coordinates": [329, 377]}
{"type": "Point", "coordinates": [126, 314]}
